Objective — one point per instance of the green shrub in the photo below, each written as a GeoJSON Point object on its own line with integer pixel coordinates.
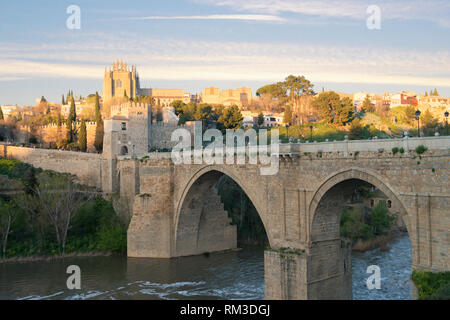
{"type": "Point", "coordinates": [353, 225]}
{"type": "Point", "coordinates": [432, 285]}
{"type": "Point", "coordinates": [421, 149]}
{"type": "Point", "coordinates": [395, 150]}
{"type": "Point", "coordinates": [401, 150]}
{"type": "Point", "coordinates": [380, 219]}
{"type": "Point", "coordinates": [112, 239]}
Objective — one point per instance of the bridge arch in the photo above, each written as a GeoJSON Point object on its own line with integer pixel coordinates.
{"type": "Point", "coordinates": [190, 213]}
{"type": "Point", "coordinates": [330, 271]}
{"type": "Point", "coordinates": [356, 173]}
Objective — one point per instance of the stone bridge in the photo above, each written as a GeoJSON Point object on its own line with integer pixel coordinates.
{"type": "Point", "coordinates": [177, 211]}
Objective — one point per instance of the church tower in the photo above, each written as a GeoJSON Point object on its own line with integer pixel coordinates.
{"type": "Point", "coordinates": [120, 80]}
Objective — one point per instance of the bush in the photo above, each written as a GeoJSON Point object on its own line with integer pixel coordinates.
{"type": "Point", "coordinates": [395, 150]}
{"type": "Point", "coordinates": [380, 219]}
{"type": "Point", "coordinates": [421, 149]}
{"type": "Point", "coordinates": [432, 285]}
{"type": "Point", "coordinates": [353, 225]}
{"type": "Point", "coordinates": [401, 150]}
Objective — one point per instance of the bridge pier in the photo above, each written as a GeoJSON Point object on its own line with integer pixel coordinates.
{"type": "Point", "coordinates": [297, 275]}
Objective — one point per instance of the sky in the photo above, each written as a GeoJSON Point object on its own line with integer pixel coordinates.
{"type": "Point", "coordinates": [194, 44]}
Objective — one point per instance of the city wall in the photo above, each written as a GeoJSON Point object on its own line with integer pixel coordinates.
{"type": "Point", "coordinates": [86, 166]}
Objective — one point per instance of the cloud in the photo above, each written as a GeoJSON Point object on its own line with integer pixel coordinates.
{"type": "Point", "coordinates": [175, 59]}
{"type": "Point", "coordinates": [436, 11]}
{"type": "Point", "coordinates": [246, 17]}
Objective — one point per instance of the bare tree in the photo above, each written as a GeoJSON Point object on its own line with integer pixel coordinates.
{"type": "Point", "coordinates": [60, 201]}
{"type": "Point", "coordinates": [8, 214]}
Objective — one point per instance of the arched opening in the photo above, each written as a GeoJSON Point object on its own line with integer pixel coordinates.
{"type": "Point", "coordinates": [216, 214]}
{"type": "Point", "coordinates": [358, 222]}
{"type": "Point", "coordinates": [123, 150]}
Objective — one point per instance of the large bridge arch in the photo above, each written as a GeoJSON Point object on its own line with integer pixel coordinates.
{"type": "Point", "coordinates": [330, 270]}
{"type": "Point", "coordinates": [189, 215]}
{"type": "Point", "coordinates": [355, 173]}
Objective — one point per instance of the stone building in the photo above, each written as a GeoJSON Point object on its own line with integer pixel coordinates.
{"type": "Point", "coordinates": [241, 97]}
{"type": "Point", "coordinates": [120, 80]}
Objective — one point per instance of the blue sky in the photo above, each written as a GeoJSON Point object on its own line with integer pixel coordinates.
{"type": "Point", "coordinates": [193, 44]}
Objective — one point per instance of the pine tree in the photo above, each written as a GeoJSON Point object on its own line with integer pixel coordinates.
{"type": "Point", "coordinates": [435, 92]}
{"type": "Point", "coordinates": [30, 182]}
{"type": "Point", "coordinates": [98, 142]}
{"type": "Point", "coordinates": [82, 139]}
{"type": "Point", "coordinates": [69, 130]}
{"type": "Point", "coordinates": [1, 114]}
{"type": "Point", "coordinates": [73, 111]}
{"type": "Point", "coordinates": [62, 101]}
{"type": "Point", "coordinates": [426, 94]}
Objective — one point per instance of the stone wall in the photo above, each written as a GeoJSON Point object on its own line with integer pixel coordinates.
{"type": "Point", "coordinates": [161, 134]}
{"type": "Point", "coordinates": [86, 166]}
{"type": "Point", "coordinates": [53, 133]}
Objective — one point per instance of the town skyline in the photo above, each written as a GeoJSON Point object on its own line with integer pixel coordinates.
{"type": "Point", "coordinates": [193, 45]}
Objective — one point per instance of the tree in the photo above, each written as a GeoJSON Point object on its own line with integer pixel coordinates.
{"type": "Point", "coordinates": [178, 105]}
{"type": "Point", "coordinates": [356, 130]}
{"type": "Point", "coordinates": [435, 93]}
{"type": "Point", "coordinates": [60, 199]}
{"type": "Point", "coordinates": [428, 120]}
{"type": "Point", "coordinates": [62, 101]}
{"type": "Point", "coordinates": [287, 118]}
{"type": "Point", "coordinates": [70, 131]}
{"type": "Point", "coordinates": [43, 100]}
{"type": "Point", "coordinates": [30, 182]}
{"type": "Point", "coordinates": [82, 139]}
{"type": "Point", "coordinates": [203, 113]}
{"type": "Point", "coordinates": [367, 105]}
{"type": "Point", "coordinates": [344, 112]}
{"type": "Point", "coordinates": [326, 104]}
{"type": "Point", "coordinates": [73, 111]}
{"type": "Point", "coordinates": [297, 86]}
{"type": "Point", "coordinates": [275, 90]}
{"type": "Point", "coordinates": [98, 141]}
{"type": "Point", "coordinates": [426, 94]}
{"type": "Point", "coordinates": [380, 219]}
{"type": "Point", "coordinates": [1, 114]}
{"type": "Point", "coordinates": [231, 118]}
{"type": "Point", "coordinates": [260, 119]}
{"type": "Point", "coordinates": [8, 214]}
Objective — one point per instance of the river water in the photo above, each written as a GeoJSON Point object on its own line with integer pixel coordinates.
{"type": "Point", "coordinates": [230, 275]}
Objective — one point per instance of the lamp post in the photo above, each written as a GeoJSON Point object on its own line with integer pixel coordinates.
{"type": "Point", "coordinates": [418, 123]}
{"type": "Point", "coordinates": [311, 128]}
{"type": "Point", "coordinates": [446, 120]}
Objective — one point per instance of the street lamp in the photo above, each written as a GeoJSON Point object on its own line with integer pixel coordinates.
{"type": "Point", "coordinates": [311, 128]}
{"type": "Point", "coordinates": [446, 120]}
{"type": "Point", "coordinates": [418, 123]}
{"type": "Point", "coordinates": [287, 131]}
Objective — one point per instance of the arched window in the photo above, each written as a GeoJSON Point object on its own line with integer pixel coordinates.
{"type": "Point", "coordinates": [124, 151]}
{"type": "Point", "coordinates": [119, 84]}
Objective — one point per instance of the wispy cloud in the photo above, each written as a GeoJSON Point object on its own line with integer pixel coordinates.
{"type": "Point", "coordinates": [431, 10]}
{"type": "Point", "coordinates": [246, 17]}
{"type": "Point", "coordinates": [175, 59]}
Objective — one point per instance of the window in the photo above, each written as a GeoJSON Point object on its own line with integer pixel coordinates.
{"type": "Point", "coordinates": [372, 202]}
{"type": "Point", "coordinates": [124, 126]}
{"type": "Point", "coordinates": [118, 84]}
{"type": "Point", "coordinates": [389, 204]}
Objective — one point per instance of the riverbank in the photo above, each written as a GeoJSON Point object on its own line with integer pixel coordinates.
{"type": "Point", "coordinates": [381, 241]}
{"type": "Point", "coordinates": [58, 257]}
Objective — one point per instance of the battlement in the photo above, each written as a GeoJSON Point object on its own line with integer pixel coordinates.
{"type": "Point", "coordinates": [78, 123]}
{"type": "Point", "coordinates": [120, 66]}
{"type": "Point", "coordinates": [131, 109]}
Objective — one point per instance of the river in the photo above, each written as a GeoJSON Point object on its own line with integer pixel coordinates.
{"type": "Point", "coordinates": [229, 275]}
